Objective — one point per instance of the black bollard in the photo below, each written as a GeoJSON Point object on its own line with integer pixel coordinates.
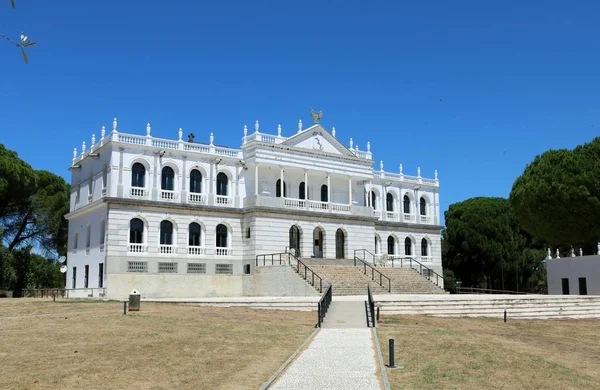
{"type": "Point", "coordinates": [504, 315]}
{"type": "Point", "coordinates": [392, 363]}
{"type": "Point", "coordinates": [124, 308]}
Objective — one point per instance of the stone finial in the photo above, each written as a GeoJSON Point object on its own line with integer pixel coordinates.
{"type": "Point", "coordinates": [114, 125]}
{"type": "Point", "coordinates": [75, 156]}
{"type": "Point", "coordinates": [212, 138]}
{"type": "Point", "coordinates": [256, 126]}
{"type": "Point", "coordinates": [557, 254]}
{"type": "Point", "coordinates": [381, 165]}
{"type": "Point", "coordinates": [356, 147]}
{"type": "Point", "coordinates": [180, 134]}
{"type": "Point", "coordinates": [102, 132]}
{"type": "Point", "coordinates": [351, 143]}
{"type": "Point", "coordinates": [549, 254]}
{"type": "Point", "coordinates": [148, 129]}
{"type": "Point", "coordinates": [580, 251]}
{"type": "Point", "coordinates": [418, 171]}
{"type": "Point", "coordinates": [83, 147]}
{"type": "Point", "coordinates": [368, 146]}
{"type": "Point", "coordinates": [401, 169]}
{"type": "Point", "coordinates": [93, 142]}
{"type": "Point", "coordinates": [435, 175]}
{"type": "Point", "coordinates": [333, 131]}
{"type": "Point", "coordinates": [279, 130]}
{"type": "Point", "coordinates": [572, 252]}
{"type": "Point", "coordinates": [300, 126]}
{"type": "Point", "coordinates": [245, 131]}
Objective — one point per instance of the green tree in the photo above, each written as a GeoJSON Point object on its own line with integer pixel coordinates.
{"type": "Point", "coordinates": [33, 205]}
{"type": "Point", "coordinates": [7, 273]}
{"type": "Point", "coordinates": [557, 197]}
{"type": "Point", "coordinates": [484, 246]}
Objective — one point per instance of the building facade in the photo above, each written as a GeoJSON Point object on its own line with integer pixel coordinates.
{"type": "Point", "coordinates": [175, 218]}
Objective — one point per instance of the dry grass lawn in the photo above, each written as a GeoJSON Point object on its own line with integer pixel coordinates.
{"type": "Point", "coordinates": [92, 345]}
{"type": "Point", "coordinates": [477, 353]}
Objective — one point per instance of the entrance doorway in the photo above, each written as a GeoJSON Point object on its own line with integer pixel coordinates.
{"type": "Point", "coordinates": [318, 242]}
{"type": "Point", "coordinates": [295, 240]}
{"type": "Point", "coordinates": [340, 242]}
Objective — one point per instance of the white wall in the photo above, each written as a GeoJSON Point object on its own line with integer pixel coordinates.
{"type": "Point", "coordinates": [574, 268]}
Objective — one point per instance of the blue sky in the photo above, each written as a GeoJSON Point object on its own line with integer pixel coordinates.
{"type": "Point", "coordinates": [474, 89]}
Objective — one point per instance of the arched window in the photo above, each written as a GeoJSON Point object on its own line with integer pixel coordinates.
{"type": "Point", "coordinates": [424, 248]}
{"type": "Point", "coordinates": [195, 181]}
{"type": "Point", "coordinates": [389, 202]}
{"type": "Point", "coordinates": [166, 233]}
{"type": "Point", "coordinates": [406, 204]}
{"type": "Point", "coordinates": [221, 236]}
{"type": "Point", "coordinates": [167, 179]}
{"type": "Point", "coordinates": [295, 240]}
{"type": "Point", "coordinates": [423, 206]}
{"type": "Point", "coordinates": [222, 182]}
{"type": "Point", "coordinates": [138, 172]}
{"type": "Point", "coordinates": [391, 245]}
{"type": "Point", "coordinates": [373, 200]}
{"type": "Point", "coordinates": [408, 246]}
{"type": "Point", "coordinates": [104, 175]}
{"type": "Point", "coordinates": [324, 197]}
{"type": "Point", "coordinates": [194, 234]}
{"type": "Point", "coordinates": [340, 243]}
{"type": "Point", "coordinates": [302, 191]}
{"type": "Point", "coordinates": [136, 231]}
{"type": "Point", "coordinates": [278, 189]}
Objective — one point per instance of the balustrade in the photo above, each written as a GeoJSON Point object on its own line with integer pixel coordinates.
{"type": "Point", "coordinates": [138, 192]}
{"type": "Point", "coordinates": [168, 195]}
{"type": "Point", "coordinates": [294, 203]}
{"type": "Point", "coordinates": [137, 248]}
{"type": "Point", "coordinates": [223, 200]}
{"type": "Point", "coordinates": [315, 205]}
{"type": "Point", "coordinates": [197, 198]}
{"type": "Point", "coordinates": [223, 251]}
{"type": "Point", "coordinates": [340, 208]}
{"type": "Point", "coordinates": [409, 218]}
{"type": "Point", "coordinates": [391, 216]}
{"type": "Point", "coordinates": [425, 219]}
{"type": "Point", "coordinates": [166, 249]}
{"type": "Point", "coordinates": [196, 250]}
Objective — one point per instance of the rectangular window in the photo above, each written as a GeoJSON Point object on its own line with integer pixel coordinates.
{"type": "Point", "coordinates": [224, 269]}
{"type": "Point", "coordinates": [78, 194]}
{"type": "Point", "coordinates": [75, 240]}
{"type": "Point", "coordinates": [104, 176]}
{"type": "Point", "coordinates": [196, 268]}
{"type": "Point", "coordinates": [74, 282]}
{"type": "Point", "coordinates": [137, 266]}
{"type": "Point", "coordinates": [91, 181]}
{"type": "Point", "coordinates": [169, 268]}
{"type": "Point", "coordinates": [102, 231]}
{"type": "Point", "coordinates": [565, 286]}
{"type": "Point", "coordinates": [86, 275]}
{"type": "Point", "coordinates": [247, 269]}
{"type": "Point", "coordinates": [582, 286]}
{"type": "Point", "coordinates": [101, 275]}
{"type": "Point", "coordinates": [87, 237]}
{"type": "Point", "coordinates": [248, 232]}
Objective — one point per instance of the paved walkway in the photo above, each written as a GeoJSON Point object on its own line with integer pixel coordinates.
{"type": "Point", "coordinates": [335, 359]}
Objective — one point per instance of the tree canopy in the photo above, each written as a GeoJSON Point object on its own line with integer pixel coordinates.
{"type": "Point", "coordinates": [484, 246]}
{"type": "Point", "coordinates": [557, 197]}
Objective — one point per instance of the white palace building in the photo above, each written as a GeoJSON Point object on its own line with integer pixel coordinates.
{"type": "Point", "coordinates": [181, 219]}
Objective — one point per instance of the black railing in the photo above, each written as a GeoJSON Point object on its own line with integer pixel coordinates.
{"type": "Point", "coordinates": [476, 290]}
{"type": "Point", "coordinates": [272, 259]}
{"type": "Point", "coordinates": [373, 273]}
{"type": "Point", "coordinates": [324, 303]}
{"type": "Point", "coordinates": [423, 270]}
{"type": "Point", "coordinates": [371, 307]}
{"type": "Point", "coordinates": [365, 254]}
{"type": "Point", "coordinates": [288, 258]}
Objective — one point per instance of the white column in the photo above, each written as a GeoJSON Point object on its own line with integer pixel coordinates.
{"type": "Point", "coordinates": [306, 184]}
{"type": "Point", "coordinates": [350, 190]}
{"type": "Point", "coordinates": [281, 182]}
{"type": "Point", "coordinates": [256, 179]}
{"type": "Point", "coordinates": [328, 188]}
{"type": "Point", "coordinates": [369, 195]}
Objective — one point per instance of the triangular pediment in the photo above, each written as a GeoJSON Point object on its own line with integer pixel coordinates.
{"type": "Point", "coordinates": [318, 139]}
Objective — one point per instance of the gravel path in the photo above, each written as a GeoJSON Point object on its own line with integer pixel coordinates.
{"type": "Point", "coordinates": [335, 359]}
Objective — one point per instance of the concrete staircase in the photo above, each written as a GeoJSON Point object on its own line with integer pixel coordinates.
{"type": "Point", "coordinates": [408, 281]}
{"type": "Point", "coordinates": [347, 280]}
{"type": "Point", "coordinates": [517, 306]}
{"type": "Point", "coordinates": [346, 314]}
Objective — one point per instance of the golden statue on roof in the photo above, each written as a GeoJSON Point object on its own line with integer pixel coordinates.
{"type": "Point", "coordinates": [316, 116]}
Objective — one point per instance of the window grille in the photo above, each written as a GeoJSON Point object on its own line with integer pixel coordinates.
{"type": "Point", "coordinates": [224, 269]}
{"type": "Point", "coordinates": [167, 268]}
{"type": "Point", "coordinates": [137, 266]}
{"type": "Point", "coordinates": [196, 268]}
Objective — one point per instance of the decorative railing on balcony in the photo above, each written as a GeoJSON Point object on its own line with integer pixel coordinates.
{"type": "Point", "coordinates": [223, 251]}
{"type": "Point", "coordinates": [291, 203]}
{"type": "Point", "coordinates": [164, 144]}
{"type": "Point", "coordinates": [132, 139]}
{"type": "Point", "coordinates": [196, 250]}
{"type": "Point", "coordinates": [223, 200]}
{"type": "Point", "coordinates": [137, 248]}
{"type": "Point", "coordinates": [138, 192]}
{"type": "Point", "coordinates": [167, 249]}
{"type": "Point", "coordinates": [197, 198]}
{"type": "Point", "coordinates": [168, 195]}
{"type": "Point", "coordinates": [425, 219]}
{"type": "Point", "coordinates": [377, 213]}
{"type": "Point", "coordinates": [409, 218]}
{"type": "Point", "coordinates": [391, 215]}
{"type": "Point", "coordinates": [315, 205]}
{"type": "Point", "coordinates": [340, 208]}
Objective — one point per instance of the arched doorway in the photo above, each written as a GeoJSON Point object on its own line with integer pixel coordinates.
{"type": "Point", "coordinates": [318, 242]}
{"type": "Point", "coordinates": [295, 240]}
{"type": "Point", "coordinates": [340, 242]}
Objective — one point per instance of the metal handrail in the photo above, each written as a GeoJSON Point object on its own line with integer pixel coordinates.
{"type": "Point", "coordinates": [276, 258]}
{"type": "Point", "coordinates": [364, 252]}
{"type": "Point", "coordinates": [421, 268]}
{"type": "Point", "coordinates": [324, 303]}
{"type": "Point", "coordinates": [373, 271]}
{"type": "Point", "coordinates": [300, 268]}
{"type": "Point", "coordinates": [470, 290]}
{"type": "Point", "coordinates": [313, 274]}
{"type": "Point", "coordinates": [371, 306]}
